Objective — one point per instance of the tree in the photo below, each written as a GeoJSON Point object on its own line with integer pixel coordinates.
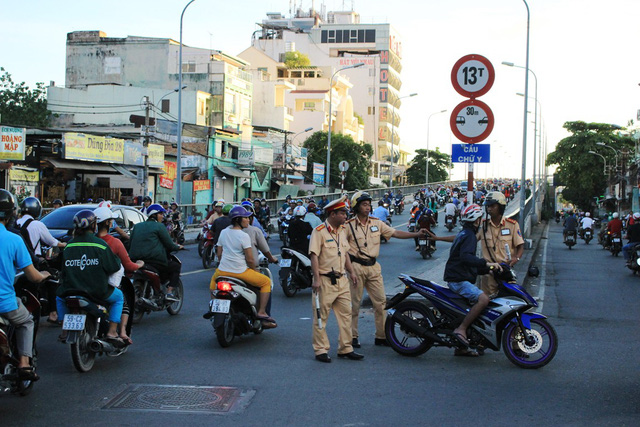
{"type": "Point", "coordinates": [343, 147]}
{"type": "Point", "coordinates": [296, 59]}
{"type": "Point", "coordinates": [20, 105]}
{"type": "Point", "coordinates": [580, 171]}
{"type": "Point", "coordinates": [439, 164]}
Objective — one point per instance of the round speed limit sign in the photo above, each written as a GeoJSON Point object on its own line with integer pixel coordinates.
{"type": "Point", "coordinates": [472, 121]}
{"type": "Point", "coordinates": [472, 76]}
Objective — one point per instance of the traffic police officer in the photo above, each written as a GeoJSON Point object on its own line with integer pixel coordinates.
{"type": "Point", "coordinates": [328, 250]}
{"type": "Point", "coordinates": [363, 232]}
{"type": "Point", "coordinates": [495, 234]}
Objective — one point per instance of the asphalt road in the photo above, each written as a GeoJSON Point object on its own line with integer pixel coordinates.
{"type": "Point", "coordinates": [593, 380]}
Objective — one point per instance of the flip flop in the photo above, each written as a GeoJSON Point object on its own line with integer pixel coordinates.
{"type": "Point", "coordinates": [266, 319]}
{"type": "Point", "coordinates": [116, 341]}
{"type": "Point", "coordinates": [127, 341]}
{"type": "Point", "coordinates": [269, 325]}
{"type": "Point", "coordinates": [28, 373]}
{"type": "Point", "coordinates": [460, 338]}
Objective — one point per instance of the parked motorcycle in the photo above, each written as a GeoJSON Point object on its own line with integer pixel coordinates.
{"type": "Point", "coordinates": [570, 239]}
{"type": "Point", "coordinates": [10, 382]}
{"type": "Point", "coordinates": [150, 292]}
{"type": "Point", "coordinates": [413, 326]}
{"type": "Point", "coordinates": [295, 272]}
{"type": "Point", "coordinates": [208, 250]}
{"type": "Point", "coordinates": [587, 235]}
{"type": "Point", "coordinates": [616, 244]}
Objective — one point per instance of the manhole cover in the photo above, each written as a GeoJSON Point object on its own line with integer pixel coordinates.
{"type": "Point", "coordinates": [177, 398]}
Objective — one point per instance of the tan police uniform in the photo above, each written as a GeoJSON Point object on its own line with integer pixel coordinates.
{"type": "Point", "coordinates": [364, 248]}
{"type": "Point", "coordinates": [507, 232]}
{"type": "Point", "coordinates": [331, 247]}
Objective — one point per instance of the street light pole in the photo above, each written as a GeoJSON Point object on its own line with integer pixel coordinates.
{"type": "Point", "coordinates": [284, 159]}
{"type": "Point", "coordinates": [179, 139]}
{"type": "Point", "coordinates": [328, 166]}
{"type": "Point", "coordinates": [393, 120]}
{"type": "Point", "coordinates": [616, 152]}
{"type": "Point", "coordinates": [604, 159]}
{"type": "Point", "coordinates": [427, 161]}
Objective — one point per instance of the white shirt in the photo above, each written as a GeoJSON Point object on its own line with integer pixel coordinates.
{"type": "Point", "coordinates": [450, 209]}
{"type": "Point", "coordinates": [587, 222]}
{"type": "Point", "coordinates": [38, 232]}
{"type": "Point", "coordinates": [233, 243]}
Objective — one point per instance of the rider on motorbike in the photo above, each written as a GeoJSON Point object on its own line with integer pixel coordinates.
{"type": "Point", "coordinates": [381, 212]}
{"type": "Point", "coordinates": [87, 263]}
{"type": "Point", "coordinates": [450, 209]}
{"type": "Point", "coordinates": [14, 255]}
{"type": "Point", "coordinates": [216, 212]}
{"type": "Point", "coordinates": [586, 223]}
{"type": "Point", "coordinates": [150, 242]}
{"type": "Point", "coordinates": [146, 202]}
{"type": "Point", "coordinates": [300, 231]}
{"type": "Point", "coordinates": [633, 234]}
{"type": "Point", "coordinates": [570, 224]}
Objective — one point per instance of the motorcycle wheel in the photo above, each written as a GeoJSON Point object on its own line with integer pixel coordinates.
{"type": "Point", "coordinates": [225, 332]}
{"type": "Point", "coordinates": [288, 285]}
{"type": "Point", "coordinates": [200, 247]}
{"type": "Point", "coordinates": [83, 358]}
{"type": "Point", "coordinates": [404, 341]}
{"type": "Point", "coordinates": [178, 291]}
{"type": "Point", "coordinates": [141, 290]}
{"type": "Point", "coordinates": [425, 253]}
{"type": "Point", "coordinates": [539, 353]}
{"type": "Point", "coordinates": [208, 256]}
{"type": "Point", "coordinates": [181, 238]}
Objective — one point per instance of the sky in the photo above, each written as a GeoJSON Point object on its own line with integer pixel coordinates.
{"type": "Point", "coordinates": [583, 52]}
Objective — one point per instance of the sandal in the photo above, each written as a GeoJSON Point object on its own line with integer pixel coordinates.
{"type": "Point", "coordinates": [28, 373]}
{"type": "Point", "coordinates": [269, 325]}
{"type": "Point", "coordinates": [461, 339]}
{"type": "Point", "coordinates": [127, 340]}
{"type": "Point", "coordinates": [115, 341]}
{"type": "Point", "coordinates": [266, 319]}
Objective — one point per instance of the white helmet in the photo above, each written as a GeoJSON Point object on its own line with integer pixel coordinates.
{"type": "Point", "coordinates": [415, 204]}
{"type": "Point", "coordinates": [587, 214]}
{"type": "Point", "coordinates": [636, 215]}
{"type": "Point", "coordinates": [300, 211]}
{"type": "Point", "coordinates": [471, 213]}
{"type": "Point", "coordinates": [616, 215]}
{"type": "Point", "coordinates": [106, 203]}
{"type": "Point", "coordinates": [103, 213]}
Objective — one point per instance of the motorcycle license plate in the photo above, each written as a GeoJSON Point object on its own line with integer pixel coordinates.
{"type": "Point", "coordinates": [449, 220]}
{"type": "Point", "coordinates": [422, 242]}
{"type": "Point", "coordinates": [616, 240]}
{"type": "Point", "coordinates": [220, 305]}
{"type": "Point", "coordinates": [74, 322]}
{"type": "Point", "coordinates": [285, 263]}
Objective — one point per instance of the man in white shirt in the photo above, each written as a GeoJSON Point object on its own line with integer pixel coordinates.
{"type": "Point", "coordinates": [587, 221]}
{"type": "Point", "coordinates": [38, 233]}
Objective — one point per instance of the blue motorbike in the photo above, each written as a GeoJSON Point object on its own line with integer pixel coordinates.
{"type": "Point", "coordinates": [415, 325]}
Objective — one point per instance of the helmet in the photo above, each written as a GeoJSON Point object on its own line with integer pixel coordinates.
{"type": "Point", "coordinates": [106, 203]}
{"type": "Point", "coordinates": [636, 215]}
{"type": "Point", "coordinates": [589, 214]}
{"type": "Point", "coordinates": [103, 214]}
{"type": "Point", "coordinates": [299, 201]}
{"type": "Point", "coordinates": [6, 204]}
{"type": "Point", "coordinates": [84, 220]}
{"type": "Point", "coordinates": [174, 204]}
{"type": "Point", "coordinates": [312, 206]}
{"type": "Point", "coordinates": [239, 211]}
{"type": "Point", "coordinates": [359, 197]}
{"type": "Point", "coordinates": [616, 215]}
{"type": "Point", "coordinates": [455, 201]}
{"type": "Point", "coordinates": [146, 199]}
{"type": "Point", "coordinates": [429, 212]}
{"type": "Point", "coordinates": [495, 197]}
{"type": "Point", "coordinates": [247, 204]}
{"type": "Point", "coordinates": [155, 209]}
{"type": "Point", "coordinates": [31, 206]}
{"type": "Point", "coordinates": [471, 213]}
{"type": "Point", "coordinates": [249, 209]}
{"type": "Point", "coordinates": [300, 211]}
{"type": "Point", "coordinates": [57, 202]}
{"type": "Point", "coordinates": [256, 200]}
{"type": "Point", "coordinates": [227, 208]}
{"type": "Point", "coordinates": [533, 271]}
{"type": "Point", "coordinates": [219, 203]}
{"type": "Point", "coordinates": [414, 204]}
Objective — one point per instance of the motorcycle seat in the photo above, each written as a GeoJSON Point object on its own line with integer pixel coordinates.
{"type": "Point", "coordinates": [446, 291]}
{"type": "Point", "coordinates": [4, 322]}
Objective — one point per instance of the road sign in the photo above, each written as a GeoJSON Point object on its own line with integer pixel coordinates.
{"type": "Point", "coordinates": [472, 76]}
{"type": "Point", "coordinates": [470, 153]}
{"type": "Point", "coordinates": [343, 166]}
{"type": "Point", "coordinates": [471, 121]}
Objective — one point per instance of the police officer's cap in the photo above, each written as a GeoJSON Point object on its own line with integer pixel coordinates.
{"type": "Point", "coordinates": [341, 203]}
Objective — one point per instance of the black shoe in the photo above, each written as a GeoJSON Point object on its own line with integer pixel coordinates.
{"type": "Point", "coordinates": [324, 357]}
{"type": "Point", "coordinates": [382, 341]}
{"type": "Point", "coordinates": [353, 356]}
{"type": "Point", "coordinates": [355, 343]}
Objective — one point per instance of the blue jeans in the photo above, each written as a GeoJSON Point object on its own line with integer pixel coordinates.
{"type": "Point", "coordinates": [466, 289]}
{"type": "Point", "coordinates": [626, 248]}
{"type": "Point", "coordinates": [116, 300]}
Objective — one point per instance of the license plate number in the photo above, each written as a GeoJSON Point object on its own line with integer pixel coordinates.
{"type": "Point", "coordinates": [74, 322]}
{"type": "Point", "coordinates": [422, 242]}
{"type": "Point", "coordinates": [220, 305]}
{"type": "Point", "coordinates": [285, 263]}
{"type": "Point", "coordinates": [616, 240]}
{"type": "Point", "coordinates": [449, 220]}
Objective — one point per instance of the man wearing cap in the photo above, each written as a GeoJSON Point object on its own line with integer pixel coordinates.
{"type": "Point", "coordinates": [216, 212]}
{"type": "Point", "coordinates": [328, 250]}
{"type": "Point", "coordinates": [363, 234]}
{"type": "Point", "coordinates": [495, 235]}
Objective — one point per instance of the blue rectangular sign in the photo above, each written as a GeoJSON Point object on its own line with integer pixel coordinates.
{"type": "Point", "coordinates": [470, 153]}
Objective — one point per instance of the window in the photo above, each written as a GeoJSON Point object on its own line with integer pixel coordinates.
{"type": "Point", "coordinates": [348, 36]}
{"type": "Point", "coordinates": [189, 67]}
{"type": "Point", "coordinates": [133, 217]}
{"type": "Point", "coordinates": [309, 74]}
{"type": "Point", "coordinates": [369, 36]}
{"type": "Point", "coordinates": [310, 106]}
{"type": "Point", "coordinates": [371, 110]}
{"type": "Point", "coordinates": [165, 106]}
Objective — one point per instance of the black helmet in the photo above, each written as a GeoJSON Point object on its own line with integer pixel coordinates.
{"type": "Point", "coordinates": [84, 220]}
{"type": "Point", "coordinates": [57, 202]}
{"type": "Point", "coordinates": [31, 206]}
{"type": "Point", "coordinates": [6, 204]}
{"type": "Point", "coordinates": [533, 271]}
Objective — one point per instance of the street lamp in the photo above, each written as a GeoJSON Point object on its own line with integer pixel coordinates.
{"type": "Point", "coordinates": [616, 152]}
{"type": "Point", "coordinates": [284, 158]}
{"type": "Point", "coordinates": [524, 130]}
{"type": "Point", "coordinates": [179, 139]}
{"type": "Point", "coordinates": [328, 171]}
{"type": "Point", "coordinates": [393, 119]}
{"type": "Point", "coordinates": [428, 122]}
{"type": "Point", "coordinates": [535, 136]}
{"type": "Point", "coordinates": [604, 159]}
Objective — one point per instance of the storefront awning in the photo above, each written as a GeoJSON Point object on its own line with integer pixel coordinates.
{"type": "Point", "coordinates": [97, 167]}
{"type": "Point", "coordinates": [231, 171]}
{"type": "Point", "coordinates": [292, 177]}
{"type": "Point", "coordinates": [124, 171]}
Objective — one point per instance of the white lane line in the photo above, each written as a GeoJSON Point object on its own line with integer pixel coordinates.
{"type": "Point", "coordinates": [198, 271]}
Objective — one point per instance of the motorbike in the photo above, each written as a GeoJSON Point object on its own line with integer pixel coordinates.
{"type": "Point", "coordinates": [150, 291]}
{"type": "Point", "coordinates": [208, 250]}
{"type": "Point", "coordinates": [200, 238]}
{"type": "Point", "coordinates": [616, 244]}
{"type": "Point", "coordinates": [597, 222]}
{"type": "Point", "coordinates": [587, 235]}
{"type": "Point", "coordinates": [390, 207]}
{"type": "Point", "coordinates": [426, 248]}
{"type": "Point", "coordinates": [411, 227]}
{"type": "Point", "coordinates": [295, 272]}
{"type": "Point", "coordinates": [399, 205]}
{"type": "Point", "coordinates": [413, 326]}
{"type": "Point", "coordinates": [634, 261]}
{"type": "Point", "coordinates": [10, 382]}
{"type": "Point", "coordinates": [448, 222]}
{"type": "Point", "coordinates": [283, 228]}
{"type": "Point", "coordinates": [570, 238]}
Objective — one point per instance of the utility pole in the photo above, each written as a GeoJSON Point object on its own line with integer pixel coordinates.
{"type": "Point", "coordinates": [284, 157]}
{"type": "Point", "coordinates": [145, 144]}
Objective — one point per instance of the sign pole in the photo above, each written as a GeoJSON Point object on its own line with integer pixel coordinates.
{"type": "Point", "coordinates": [470, 183]}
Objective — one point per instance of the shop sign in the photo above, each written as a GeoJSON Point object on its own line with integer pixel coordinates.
{"type": "Point", "coordinates": [201, 185]}
{"type": "Point", "coordinates": [166, 183]}
{"type": "Point", "coordinates": [245, 157]}
{"type": "Point", "coordinates": [12, 143]}
{"type": "Point", "coordinates": [318, 173]}
{"type": "Point", "coordinates": [133, 153]}
{"type": "Point", "coordinates": [24, 176]}
{"type": "Point", "coordinates": [155, 157]}
{"type": "Point", "coordinates": [94, 148]}
{"type": "Point", "coordinates": [170, 170]}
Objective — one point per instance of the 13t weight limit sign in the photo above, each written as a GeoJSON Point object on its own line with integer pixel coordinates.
{"type": "Point", "coordinates": [472, 76]}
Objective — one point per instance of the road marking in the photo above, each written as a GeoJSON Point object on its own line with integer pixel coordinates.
{"type": "Point", "coordinates": [197, 271]}
{"type": "Point", "coordinates": [543, 275]}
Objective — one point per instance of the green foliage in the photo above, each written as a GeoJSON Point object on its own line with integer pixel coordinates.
{"type": "Point", "coordinates": [296, 59]}
{"type": "Point", "coordinates": [359, 117]}
{"type": "Point", "coordinates": [343, 147]}
{"type": "Point", "coordinates": [439, 164]}
{"type": "Point", "coordinates": [581, 171]}
{"type": "Point", "coordinates": [21, 106]}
